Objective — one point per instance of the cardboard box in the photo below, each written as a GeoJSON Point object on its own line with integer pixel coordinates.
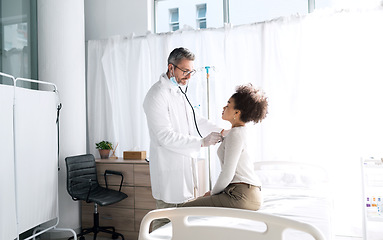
{"type": "Point", "coordinates": [134, 155]}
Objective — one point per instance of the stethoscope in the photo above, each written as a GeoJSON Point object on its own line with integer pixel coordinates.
{"type": "Point", "coordinates": [187, 99]}
{"type": "Point", "coordinates": [195, 121]}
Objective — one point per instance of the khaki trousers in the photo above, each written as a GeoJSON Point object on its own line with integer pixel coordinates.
{"type": "Point", "coordinates": [235, 195]}
{"type": "Point", "coordinates": [160, 222]}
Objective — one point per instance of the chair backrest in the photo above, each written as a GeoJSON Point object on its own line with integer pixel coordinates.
{"type": "Point", "coordinates": [80, 168]}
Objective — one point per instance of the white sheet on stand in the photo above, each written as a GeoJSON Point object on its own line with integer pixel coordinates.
{"type": "Point", "coordinates": [8, 224]}
{"type": "Point", "coordinates": [35, 157]}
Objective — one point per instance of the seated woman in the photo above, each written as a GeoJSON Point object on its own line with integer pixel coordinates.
{"type": "Point", "coordinates": [237, 185]}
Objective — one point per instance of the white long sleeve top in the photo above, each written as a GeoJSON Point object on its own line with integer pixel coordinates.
{"type": "Point", "coordinates": [236, 164]}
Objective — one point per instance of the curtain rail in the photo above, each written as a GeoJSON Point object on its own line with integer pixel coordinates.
{"type": "Point", "coordinates": [35, 81]}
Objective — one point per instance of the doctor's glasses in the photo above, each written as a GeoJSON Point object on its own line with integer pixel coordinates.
{"type": "Point", "coordinates": [186, 72]}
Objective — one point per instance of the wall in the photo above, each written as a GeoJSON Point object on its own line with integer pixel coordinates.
{"type": "Point", "coordinates": [63, 28]}
{"type": "Point", "coordinates": [61, 51]}
{"type": "Point", "coordinates": [105, 18]}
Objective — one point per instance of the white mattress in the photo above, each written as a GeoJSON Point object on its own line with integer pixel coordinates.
{"type": "Point", "coordinates": [299, 205]}
{"type": "Point", "coordinates": [312, 210]}
{"type": "Point", "coordinates": [298, 191]}
{"type": "Point", "coordinates": [292, 190]}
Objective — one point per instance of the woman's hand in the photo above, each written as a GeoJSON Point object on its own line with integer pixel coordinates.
{"type": "Point", "coordinates": [207, 194]}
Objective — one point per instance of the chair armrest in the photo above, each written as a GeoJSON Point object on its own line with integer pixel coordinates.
{"type": "Point", "coordinates": [83, 180]}
{"type": "Point", "coordinates": [111, 172]}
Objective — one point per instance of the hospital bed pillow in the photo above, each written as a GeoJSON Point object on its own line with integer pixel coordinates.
{"type": "Point", "coordinates": [290, 175]}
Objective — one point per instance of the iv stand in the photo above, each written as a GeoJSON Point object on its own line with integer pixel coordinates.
{"type": "Point", "coordinates": [208, 117]}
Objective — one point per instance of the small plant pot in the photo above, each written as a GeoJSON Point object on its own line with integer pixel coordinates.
{"type": "Point", "coordinates": [104, 153]}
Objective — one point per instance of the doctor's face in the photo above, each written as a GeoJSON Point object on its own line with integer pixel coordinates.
{"type": "Point", "coordinates": [182, 71]}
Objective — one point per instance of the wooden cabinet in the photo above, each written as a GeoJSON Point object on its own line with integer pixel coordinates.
{"type": "Point", "coordinates": [126, 215]}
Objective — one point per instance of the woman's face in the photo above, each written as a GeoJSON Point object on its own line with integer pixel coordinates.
{"type": "Point", "coordinates": [228, 112]}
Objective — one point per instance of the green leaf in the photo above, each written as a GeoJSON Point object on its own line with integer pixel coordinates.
{"type": "Point", "coordinates": [104, 145]}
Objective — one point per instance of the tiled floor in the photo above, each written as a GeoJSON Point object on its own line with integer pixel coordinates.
{"type": "Point", "coordinates": [90, 237]}
{"type": "Point", "coordinates": [347, 238]}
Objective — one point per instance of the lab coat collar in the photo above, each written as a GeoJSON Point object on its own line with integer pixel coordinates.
{"type": "Point", "coordinates": [165, 80]}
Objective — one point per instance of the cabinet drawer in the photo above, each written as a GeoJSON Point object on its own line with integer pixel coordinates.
{"type": "Point", "coordinates": [121, 219]}
{"type": "Point", "coordinates": [128, 235]}
{"type": "Point", "coordinates": [125, 169]}
{"type": "Point", "coordinates": [138, 216]}
{"type": "Point", "coordinates": [143, 198]}
{"type": "Point", "coordinates": [141, 175]}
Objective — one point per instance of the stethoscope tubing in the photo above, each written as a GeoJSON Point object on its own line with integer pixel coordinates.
{"type": "Point", "coordinates": [187, 99]}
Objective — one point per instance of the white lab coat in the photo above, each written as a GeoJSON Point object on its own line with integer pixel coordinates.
{"type": "Point", "coordinates": [174, 142]}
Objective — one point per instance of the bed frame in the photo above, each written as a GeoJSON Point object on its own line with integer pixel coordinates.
{"type": "Point", "coordinates": [183, 227]}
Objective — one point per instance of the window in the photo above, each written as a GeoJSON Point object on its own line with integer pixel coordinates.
{"type": "Point", "coordinates": [18, 41]}
{"type": "Point", "coordinates": [174, 19]}
{"type": "Point", "coordinates": [251, 11]}
{"type": "Point", "coordinates": [171, 14]}
{"type": "Point", "coordinates": [191, 13]}
{"type": "Point", "coordinates": [201, 16]}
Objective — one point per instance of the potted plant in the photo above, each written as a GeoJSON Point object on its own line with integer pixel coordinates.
{"type": "Point", "coordinates": [104, 148]}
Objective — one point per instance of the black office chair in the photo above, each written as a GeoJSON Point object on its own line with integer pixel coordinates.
{"type": "Point", "coordinates": [82, 184]}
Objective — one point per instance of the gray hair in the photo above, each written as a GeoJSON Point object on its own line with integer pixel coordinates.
{"type": "Point", "coordinates": [179, 54]}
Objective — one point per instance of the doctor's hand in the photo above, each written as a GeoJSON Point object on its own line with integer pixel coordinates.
{"type": "Point", "coordinates": [211, 139]}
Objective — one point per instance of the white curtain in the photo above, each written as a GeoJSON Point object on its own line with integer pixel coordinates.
{"type": "Point", "coordinates": [35, 157]}
{"type": "Point", "coordinates": [321, 73]}
{"type": "Point", "coordinates": [8, 224]}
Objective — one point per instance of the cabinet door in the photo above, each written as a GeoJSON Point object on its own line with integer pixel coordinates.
{"type": "Point", "coordinates": [143, 198]}
{"type": "Point", "coordinates": [141, 175]}
{"type": "Point", "coordinates": [138, 216]}
{"type": "Point", "coordinates": [143, 193]}
{"type": "Point", "coordinates": [120, 218]}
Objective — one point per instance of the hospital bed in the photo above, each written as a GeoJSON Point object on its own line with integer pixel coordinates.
{"type": "Point", "coordinates": [206, 223]}
{"type": "Point", "coordinates": [297, 191]}
{"type": "Point", "coordinates": [297, 205]}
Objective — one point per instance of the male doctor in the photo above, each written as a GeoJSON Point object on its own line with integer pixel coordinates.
{"type": "Point", "coordinates": [174, 138]}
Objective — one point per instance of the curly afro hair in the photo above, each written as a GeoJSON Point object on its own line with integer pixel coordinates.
{"type": "Point", "coordinates": [252, 103]}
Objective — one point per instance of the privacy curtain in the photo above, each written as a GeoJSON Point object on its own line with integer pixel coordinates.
{"type": "Point", "coordinates": [321, 73]}
{"type": "Point", "coordinates": [35, 157]}
{"type": "Point", "coordinates": [8, 224]}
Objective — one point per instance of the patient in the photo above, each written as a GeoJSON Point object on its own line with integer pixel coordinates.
{"type": "Point", "coordinates": [237, 185]}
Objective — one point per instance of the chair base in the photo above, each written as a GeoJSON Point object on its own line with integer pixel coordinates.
{"type": "Point", "coordinates": [96, 229]}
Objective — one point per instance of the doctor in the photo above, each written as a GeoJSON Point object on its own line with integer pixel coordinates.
{"type": "Point", "coordinates": [174, 134]}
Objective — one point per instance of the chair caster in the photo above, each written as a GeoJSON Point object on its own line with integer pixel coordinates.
{"type": "Point", "coordinates": [115, 236]}
{"type": "Point", "coordinates": [78, 237]}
